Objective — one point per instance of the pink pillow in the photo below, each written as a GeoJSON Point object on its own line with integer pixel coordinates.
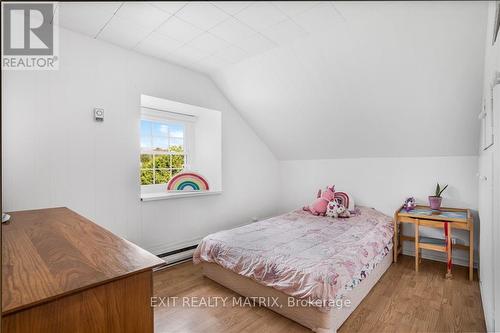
{"type": "Point", "coordinates": [345, 199]}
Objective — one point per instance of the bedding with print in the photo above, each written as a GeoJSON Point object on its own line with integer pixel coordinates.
{"type": "Point", "coordinates": [314, 258]}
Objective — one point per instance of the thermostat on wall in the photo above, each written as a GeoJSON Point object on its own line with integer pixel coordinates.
{"type": "Point", "coordinates": [99, 114]}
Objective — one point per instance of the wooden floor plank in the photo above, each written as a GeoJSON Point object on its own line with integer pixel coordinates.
{"type": "Point", "coordinates": [402, 301]}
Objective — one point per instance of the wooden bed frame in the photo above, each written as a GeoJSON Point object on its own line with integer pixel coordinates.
{"type": "Point", "coordinates": [311, 317]}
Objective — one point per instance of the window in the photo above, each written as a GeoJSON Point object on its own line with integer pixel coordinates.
{"type": "Point", "coordinates": [175, 137]}
{"type": "Point", "coordinates": [162, 151]}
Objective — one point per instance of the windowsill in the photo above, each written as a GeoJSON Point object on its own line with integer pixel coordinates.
{"type": "Point", "coordinates": [175, 195]}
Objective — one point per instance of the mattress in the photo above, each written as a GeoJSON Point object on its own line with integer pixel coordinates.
{"type": "Point", "coordinates": [311, 317]}
{"type": "Point", "coordinates": [312, 258]}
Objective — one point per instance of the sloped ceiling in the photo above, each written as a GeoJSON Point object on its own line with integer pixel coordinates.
{"type": "Point", "coordinates": [370, 80]}
{"type": "Point", "coordinates": [321, 79]}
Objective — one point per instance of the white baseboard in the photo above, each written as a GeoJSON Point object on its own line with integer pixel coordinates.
{"type": "Point", "coordinates": [178, 256]}
{"type": "Point", "coordinates": [158, 249]}
{"type": "Point", "coordinates": [487, 309]}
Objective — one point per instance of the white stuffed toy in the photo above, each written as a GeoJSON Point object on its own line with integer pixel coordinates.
{"type": "Point", "coordinates": [331, 209]}
{"type": "Point", "coordinates": [343, 212]}
{"type": "Point", "coordinates": [334, 209]}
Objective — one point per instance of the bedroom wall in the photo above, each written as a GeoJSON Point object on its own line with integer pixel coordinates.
{"type": "Point", "coordinates": [489, 184]}
{"type": "Point", "coordinates": [384, 183]}
{"type": "Point", "coordinates": [55, 154]}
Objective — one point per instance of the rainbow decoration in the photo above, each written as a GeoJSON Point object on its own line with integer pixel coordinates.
{"type": "Point", "coordinates": [187, 181]}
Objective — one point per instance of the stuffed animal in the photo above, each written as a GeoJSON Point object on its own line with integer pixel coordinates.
{"type": "Point", "coordinates": [331, 209]}
{"type": "Point", "coordinates": [336, 209]}
{"type": "Point", "coordinates": [343, 212]}
{"type": "Point", "coordinates": [409, 204]}
{"type": "Point", "coordinates": [318, 206]}
{"type": "Point", "coordinates": [346, 200]}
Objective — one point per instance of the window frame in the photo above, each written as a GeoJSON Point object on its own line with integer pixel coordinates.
{"type": "Point", "coordinates": [167, 117]}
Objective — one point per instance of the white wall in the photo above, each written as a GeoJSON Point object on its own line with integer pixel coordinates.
{"type": "Point", "coordinates": [384, 183]}
{"type": "Point", "coordinates": [489, 187]}
{"type": "Point", "coordinates": [55, 154]}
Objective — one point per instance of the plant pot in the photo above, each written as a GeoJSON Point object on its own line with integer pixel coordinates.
{"type": "Point", "coordinates": [435, 202]}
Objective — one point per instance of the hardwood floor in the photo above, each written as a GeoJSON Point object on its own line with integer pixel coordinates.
{"type": "Point", "coordinates": [402, 301]}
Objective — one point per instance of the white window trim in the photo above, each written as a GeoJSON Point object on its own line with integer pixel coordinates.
{"type": "Point", "coordinates": [159, 115]}
{"type": "Point", "coordinates": [175, 195]}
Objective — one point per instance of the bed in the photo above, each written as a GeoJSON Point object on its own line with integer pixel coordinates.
{"type": "Point", "coordinates": [314, 270]}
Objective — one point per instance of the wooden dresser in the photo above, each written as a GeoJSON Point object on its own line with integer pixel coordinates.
{"type": "Point", "coordinates": [63, 273]}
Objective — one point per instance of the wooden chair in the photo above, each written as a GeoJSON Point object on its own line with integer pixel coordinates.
{"type": "Point", "coordinates": [433, 244]}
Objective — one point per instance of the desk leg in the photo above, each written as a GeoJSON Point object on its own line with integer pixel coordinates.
{"type": "Point", "coordinates": [448, 250]}
{"type": "Point", "coordinates": [395, 242]}
{"type": "Point", "coordinates": [471, 252]}
{"type": "Point", "coordinates": [417, 238]}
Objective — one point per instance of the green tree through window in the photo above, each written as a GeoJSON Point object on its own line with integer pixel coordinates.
{"type": "Point", "coordinates": [162, 151]}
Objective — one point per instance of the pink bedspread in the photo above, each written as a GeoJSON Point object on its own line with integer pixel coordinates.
{"type": "Point", "coordinates": [305, 256]}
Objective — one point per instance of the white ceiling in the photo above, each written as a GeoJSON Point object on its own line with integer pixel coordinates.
{"type": "Point", "coordinates": [321, 79]}
{"type": "Point", "coordinates": [205, 36]}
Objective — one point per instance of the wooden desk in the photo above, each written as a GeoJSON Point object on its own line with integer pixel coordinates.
{"type": "Point", "coordinates": [63, 273]}
{"type": "Point", "coordinates": [452, 218]}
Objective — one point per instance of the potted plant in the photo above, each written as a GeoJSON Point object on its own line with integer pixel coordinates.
{"type": "Point", "coordinates": [435, 200]}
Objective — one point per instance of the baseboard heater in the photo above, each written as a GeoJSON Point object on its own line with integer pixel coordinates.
{"type": "Point", "coordinates": [177, 256]}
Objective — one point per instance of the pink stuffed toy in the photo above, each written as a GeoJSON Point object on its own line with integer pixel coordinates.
{"type": "Point", "coordinates": [318, 207]}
